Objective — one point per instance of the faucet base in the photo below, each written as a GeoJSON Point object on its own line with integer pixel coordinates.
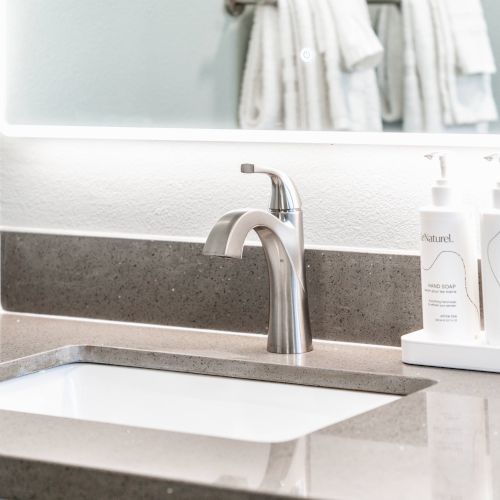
{"type": "Point", "coordinates": [291, 350]}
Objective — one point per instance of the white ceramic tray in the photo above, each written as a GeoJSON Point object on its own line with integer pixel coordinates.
{"type": "Point", "coordinates": [419, 349]}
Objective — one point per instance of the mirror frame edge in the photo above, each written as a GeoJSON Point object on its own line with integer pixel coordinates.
{"type": "Point", "coordinates": [249, 136]}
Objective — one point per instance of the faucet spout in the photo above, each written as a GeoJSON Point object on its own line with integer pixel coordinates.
{"type": "Point", "coordinates": [282, 240]}
{"type": "Point", "coordinates": [227, 237]}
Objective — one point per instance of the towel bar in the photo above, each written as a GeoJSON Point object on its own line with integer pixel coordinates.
{"type": "Point", "coordinates": [236, 7]}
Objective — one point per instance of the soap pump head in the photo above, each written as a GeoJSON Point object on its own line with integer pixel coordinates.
{"type": "Point", "coordinates": [442, 192]}
{"type": "Point", "coordinates": [496, 189]}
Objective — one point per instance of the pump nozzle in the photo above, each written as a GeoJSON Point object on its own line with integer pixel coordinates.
{"type": "Point", "coordinates": [442, 194]}
{"type": "Point", "coordinates": [494, 156]}
{"type": "Point", "coordinates": [496, 189]}
{"type": "Point", "coordinates": [442, 161]}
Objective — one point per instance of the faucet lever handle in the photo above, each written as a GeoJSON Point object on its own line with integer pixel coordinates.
{"type": "Point", "coordinates": [284, 194]}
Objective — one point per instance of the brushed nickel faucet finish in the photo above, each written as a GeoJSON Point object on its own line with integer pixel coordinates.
{"type": "Point", "coordinates": [281, 232]}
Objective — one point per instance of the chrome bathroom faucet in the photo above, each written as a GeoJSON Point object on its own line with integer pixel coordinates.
{"type": "Point", "coordinates": [281, 232]}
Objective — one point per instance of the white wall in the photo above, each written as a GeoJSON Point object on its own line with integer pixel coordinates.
{"type": "Point", "coordinates": [353, 196]}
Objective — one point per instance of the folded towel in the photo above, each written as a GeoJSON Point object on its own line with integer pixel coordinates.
{"type": "Point", "coordinates": [260, 102]}
{"type": "Point", "coordinates": [388, 23]}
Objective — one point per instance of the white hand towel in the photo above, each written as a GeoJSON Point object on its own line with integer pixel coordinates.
{"type": "Point", "coordinates": [354, 80]}
{"type": "Point", "coordinates": [388, 23]}
{"type": "Point", "coordinates": [289, 76]}
{"type": "Point", "coordinates": [314, 70]}
{"type": "Point", "coordinates": [470, 35]}
{"type": "Point", "coordinates": [310, 73]}
{"type": "Point", "coordinates": [336, 79]}
{"type": "Point", "coordinates": [413, 112]}
{"type": "Point", "coordinates": [260, 101]}
{"type": "Point", "coordinates": [422, 101]}
{"type": "Point", "coordinates": [360, 47]}
{"type": "Point", "coordinates": [467, 98]}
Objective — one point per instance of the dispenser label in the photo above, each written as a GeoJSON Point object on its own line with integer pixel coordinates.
{"type": "Point", "coordinates": [450, 289]}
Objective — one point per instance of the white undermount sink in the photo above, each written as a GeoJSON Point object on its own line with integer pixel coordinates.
{"type": "Point", "coordinates": [181, 402]}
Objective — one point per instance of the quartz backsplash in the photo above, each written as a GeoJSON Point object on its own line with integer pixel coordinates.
{"type": "Point", "coordinates": [353, 296]}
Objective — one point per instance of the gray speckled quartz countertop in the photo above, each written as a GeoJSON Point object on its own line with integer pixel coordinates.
{"type": "Point", "coordinates": [441, 440]}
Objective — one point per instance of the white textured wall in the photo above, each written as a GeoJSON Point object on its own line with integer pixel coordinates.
{"type": "Point", "coordinates": [353, 196]}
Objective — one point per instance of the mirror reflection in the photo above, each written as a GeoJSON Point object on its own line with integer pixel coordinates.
{"type": "Point", "coordinates": [357, 65]}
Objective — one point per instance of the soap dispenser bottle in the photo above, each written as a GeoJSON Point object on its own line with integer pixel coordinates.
{"type": "Point", "coordinates": [449, 266]}
{"type": "Point", "coordinates": [490, 264]}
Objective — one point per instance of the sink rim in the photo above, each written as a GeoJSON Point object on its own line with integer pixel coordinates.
{"type": "Point", "coordinates": [92, 354]}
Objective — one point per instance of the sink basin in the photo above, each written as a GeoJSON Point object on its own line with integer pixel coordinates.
{"type": "Point", "coordinates": [231, 408]}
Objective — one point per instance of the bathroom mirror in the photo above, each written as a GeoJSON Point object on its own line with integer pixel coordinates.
{"type": "Point", "coordinates": [393, 65]}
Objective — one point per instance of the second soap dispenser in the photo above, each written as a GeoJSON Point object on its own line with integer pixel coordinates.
{"type": "Point", "coordinates": [490, 265]}
{"type": "Point", "coordinates": [449, 266]}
